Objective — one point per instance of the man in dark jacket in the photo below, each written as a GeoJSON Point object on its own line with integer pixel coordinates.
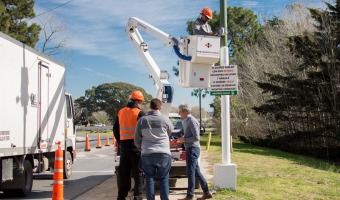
{"type": "Point", "coordinates": [124, 129]}
{"type": "Point", "coordinates": [201, 25]}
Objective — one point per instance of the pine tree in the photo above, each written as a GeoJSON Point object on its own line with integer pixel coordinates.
{"type": "Point", "coordinates": [306, 105]}
{"type": "Point", "coordinates": [13, 20]}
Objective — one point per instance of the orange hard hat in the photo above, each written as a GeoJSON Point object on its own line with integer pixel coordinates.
{"type": "Point", "coordinates": [207, 12]}
{"type": "Point", "coordinates": [137, 95]}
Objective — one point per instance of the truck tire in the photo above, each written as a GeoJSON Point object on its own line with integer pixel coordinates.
{"type": "Point", "coordinates": [27, 185]}
{"type": "Point", "coordinates": [67, 165]}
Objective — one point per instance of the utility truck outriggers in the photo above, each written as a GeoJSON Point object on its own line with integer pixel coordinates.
{"type": "Point", "coordinates": [36, 114]}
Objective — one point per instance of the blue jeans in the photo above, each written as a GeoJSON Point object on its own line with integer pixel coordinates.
{"type": "Point", "coordinates": [193, 171]}
{"type": "Point", "coordinates": [160, 164]}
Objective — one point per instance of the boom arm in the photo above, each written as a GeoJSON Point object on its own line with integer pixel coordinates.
{"type": "Point", "coordinates": [161, 78]}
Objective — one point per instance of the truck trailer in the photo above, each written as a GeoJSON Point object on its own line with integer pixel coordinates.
{"type": "Point", "coordinates": [35, 114]}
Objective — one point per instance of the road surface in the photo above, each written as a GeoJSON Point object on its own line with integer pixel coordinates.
{"type": "Point", "coordinates": [90, 169]}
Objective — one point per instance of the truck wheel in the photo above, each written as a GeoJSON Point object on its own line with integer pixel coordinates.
{"type": "Point", "coordinates": [67, 165]}
{"type": "Point", "coordinates": [28, 176]}
{"type": "Point", "coordinates": [27, 185]}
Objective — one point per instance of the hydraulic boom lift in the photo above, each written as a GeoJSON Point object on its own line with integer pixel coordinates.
{"type": "Point", "coordinates": [197, 55]}
{"type": "Point", "coordinates": [160, 77]}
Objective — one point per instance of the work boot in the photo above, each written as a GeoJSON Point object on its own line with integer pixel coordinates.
{"type": "Point", "coordinates": [137, 198]}
{"type": "Point", "coordinates": [186, 198]}
{"type": "Point", "coordinates": [206, 195]}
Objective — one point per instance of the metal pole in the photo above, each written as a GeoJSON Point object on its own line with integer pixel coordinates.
{"type": "Point", "coordinates": [225, 109]}
{"type": "Point", "coordinates": [225, 173]}
{"type": "Point", "coordinates": [200, 93]}
{"type": "Point", "coordinates": [223, 21]}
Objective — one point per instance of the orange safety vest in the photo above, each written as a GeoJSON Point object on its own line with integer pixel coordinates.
{"type": "Point", "coordinates": [127, 122]}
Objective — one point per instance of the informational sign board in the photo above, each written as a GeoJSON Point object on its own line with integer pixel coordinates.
{"type": "Point", "coordinates": [224, 80]}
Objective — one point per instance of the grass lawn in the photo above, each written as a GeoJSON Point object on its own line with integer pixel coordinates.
{"type": "Point", "coordinates": [264, 173]}
{"type": "Point", "coordinates": [102, 133]}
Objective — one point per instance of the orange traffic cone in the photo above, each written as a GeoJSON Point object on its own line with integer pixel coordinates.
{"type": "Point", "coordinates": [58, 178]}
{"type": "Point", "coordinates": [99, 145]}
{"type": "Point", "coordinates": [107, 141]}
{"type": "Point", "coordinates": [87, 143]}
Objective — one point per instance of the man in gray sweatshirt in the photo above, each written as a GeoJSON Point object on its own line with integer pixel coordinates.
{"type": "Point", "coordinates": [152, 138]}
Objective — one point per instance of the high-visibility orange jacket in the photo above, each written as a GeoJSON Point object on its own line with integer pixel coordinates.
{"type": "Point", "coordinates": [127, 122]}
{"type": "Point", "coordinates": [127, 145]}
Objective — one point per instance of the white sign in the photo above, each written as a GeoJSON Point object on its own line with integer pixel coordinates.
{"type": "Point", "coordinates": [224, 80]}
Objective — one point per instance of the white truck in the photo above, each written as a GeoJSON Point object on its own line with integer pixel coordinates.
{"type": "Point", "coordinates": [36, 114]}
{"type": "Point", "coordinates": [197, 56]}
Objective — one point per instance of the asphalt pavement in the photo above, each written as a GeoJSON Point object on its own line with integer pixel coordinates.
{"type": "Point", "coordinates": [108, 189]}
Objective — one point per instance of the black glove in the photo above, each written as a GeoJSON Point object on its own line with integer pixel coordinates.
{"type": "Point", "coordinates": [174, 40]}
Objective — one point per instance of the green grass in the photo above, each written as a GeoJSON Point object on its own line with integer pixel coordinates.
{"type": "Point", "coordinates": [264, 173]}
{"type": "Point", "coordinates": [102, 133]}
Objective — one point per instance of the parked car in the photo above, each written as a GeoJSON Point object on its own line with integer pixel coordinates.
{"type": "Point", "coordinates": [176, 121]}
{"type": "Point", "coordinates": [99, 124]}
{"type": "Point", "coordinates": [178, 124]}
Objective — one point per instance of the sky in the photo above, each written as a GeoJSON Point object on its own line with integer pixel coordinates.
{"type": "Point", "coordinates": [100, 52]}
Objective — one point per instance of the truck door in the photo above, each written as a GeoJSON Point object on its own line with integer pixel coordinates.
{"type": "Point", "coordinates": [70, 120]}
{"type": "Point", "coordinates": [43, 113]}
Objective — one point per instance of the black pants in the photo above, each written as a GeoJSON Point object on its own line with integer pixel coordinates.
{"type": "Point", "coordinates": [129, 166]}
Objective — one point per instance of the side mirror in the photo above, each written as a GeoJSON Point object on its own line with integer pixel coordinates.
{"type": "Point", "coordinates": [202, 130]}
{"type": "Point", "coordinates": [82, 119]}
{"type": "Point", "coordinates": [83, 114]}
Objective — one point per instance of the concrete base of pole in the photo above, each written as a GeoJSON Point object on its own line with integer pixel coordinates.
{"type": "Point", "coordinates": [225, 176]}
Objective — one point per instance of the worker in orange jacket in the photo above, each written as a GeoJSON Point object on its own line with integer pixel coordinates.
{"type": "Point", "coordinates": [124, 129]}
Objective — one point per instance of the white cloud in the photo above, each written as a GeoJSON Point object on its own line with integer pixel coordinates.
{"type": "Point", "coordinates": [88, 69]}
{"type": "Point", "coordinates": [108, 76]}
{"type": "Point", "coordinates": [250, 4]}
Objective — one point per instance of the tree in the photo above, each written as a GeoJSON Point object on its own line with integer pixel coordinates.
{"type": "Point", "coordinates": [88, 101]}
{"type": "Point", "coordinates": [216, 105]}
{"type": "Point", "coordinates": [243, 29]}
{"type": "Point", "coordinates": [101, 117]}
{"type": "Point", "coordinates": [269, 55]}
{"type": "Point", "coordinates": [13, 21]}
{"type": "Point", "coordinates": [196, 111]}
{"type": "Point", "coordinates": [198, 93]}
{"type": "Point", "coordinates": [54, 36]}
{"type": "Point", "coordinates": [109, 97]}
{"type": "Point", "coordinates": [306, 103]}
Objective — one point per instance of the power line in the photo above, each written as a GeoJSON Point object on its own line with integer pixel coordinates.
{"type": "Point", "coordinates": [52, 9]}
